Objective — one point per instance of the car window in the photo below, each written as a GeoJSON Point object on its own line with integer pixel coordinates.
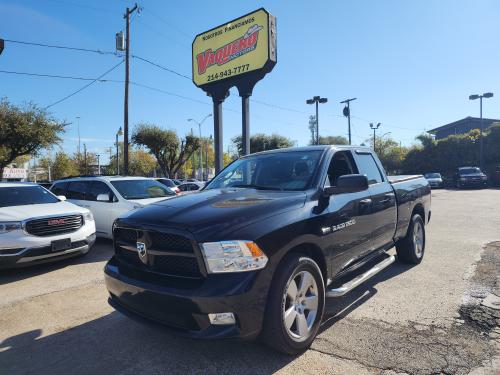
{"type": "Point", "coordinates": [59, 188]}
{"type": "Point", "coordinates": [194, 187]}
{"type": "Point", "coordinates": [141, 189]}
{"type": "Point", "coordinates": [25, 195]}
{"type": "Point", "coordinates": [368, 167]}
{"type": "Point", "coordinates": [183, 187]}
{"type": "Point", "coordinates": [341, 164]}
{"type": "Point", "coordinates": [78, 189]}
{"type": "Point", "coordinates": [96, 188]}
{"type": "Point", "coordinates": [166, 182]}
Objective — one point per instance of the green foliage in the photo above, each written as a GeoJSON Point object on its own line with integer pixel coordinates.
{"type": "Point", "coordinates": [170, 151]}
{"type": "Point", "coordinates": [262, 142]}
{"type": "Point", "coordinates": [333, 140]}
{"type": "Point", "coordinates": [25, 131]}
{"type": "Point", "coordinates": [63, 166]}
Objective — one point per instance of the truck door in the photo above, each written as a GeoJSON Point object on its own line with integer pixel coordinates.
{"type": "Point", "coordinates": [383, 206]}
{"type": "Point", "coordinates": [347, 223]}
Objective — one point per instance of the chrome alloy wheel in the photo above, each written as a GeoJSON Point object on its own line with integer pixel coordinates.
{"type": "Point", "coordinates": [418, 239]}
{"type": "Point", "coordinates": [300, 305]}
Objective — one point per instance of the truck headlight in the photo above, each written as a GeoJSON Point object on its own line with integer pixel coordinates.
{"type": "Point", "coordinates": [484, 178]}
{"type": "Point", "coordinates": [88, 216]}
{"type": "Point", "coordinates": [233, 256]}
{"type": "Point", "coordinates": [9, 226]}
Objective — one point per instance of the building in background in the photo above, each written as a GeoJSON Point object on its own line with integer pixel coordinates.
{"type": "Point", "coordinates": [462, 126]}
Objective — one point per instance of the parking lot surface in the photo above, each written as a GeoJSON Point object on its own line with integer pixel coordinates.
{"type": "Point", "coordinates": [54, 319]}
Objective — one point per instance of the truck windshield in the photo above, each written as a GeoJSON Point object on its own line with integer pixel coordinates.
{"type": "Point", "coordinates": [24, 195]}
{"type": "Point", "coordinates": [473, 170]}
{"type": "Point", "coordinates": [141, 189]}
{"type": "Point", "coordinates": [291, 170]}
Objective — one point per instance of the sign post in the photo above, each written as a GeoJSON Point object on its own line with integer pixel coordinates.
{"type": "Point", "coordinates": [238, 53]}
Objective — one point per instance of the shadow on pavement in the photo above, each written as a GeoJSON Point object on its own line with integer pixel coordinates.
{"type": "Point", "coordinates": [115, 344]}
{"type": "Point", "coordinates": [101, 251]}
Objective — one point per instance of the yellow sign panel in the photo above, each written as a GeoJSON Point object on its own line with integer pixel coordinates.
{"type": "Point", "coordinates": [237, 47]}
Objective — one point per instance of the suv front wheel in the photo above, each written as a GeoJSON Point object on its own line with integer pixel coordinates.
{"type": "Point", "coordinates": [295, 305]}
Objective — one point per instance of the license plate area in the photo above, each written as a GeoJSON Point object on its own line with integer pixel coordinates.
{"type": "Point", "coordinates": [60, 245]}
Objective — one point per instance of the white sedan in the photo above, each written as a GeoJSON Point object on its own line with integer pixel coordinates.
{"type": "Point", "coordinates": [37, 227]}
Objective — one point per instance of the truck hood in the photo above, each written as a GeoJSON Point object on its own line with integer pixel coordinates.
{"type": "Point", "coordinates": [145, 202]}
{"type": "Point", "coordinates": [214, 212]}
{"type": "Point", "coordinates": [19, 213]}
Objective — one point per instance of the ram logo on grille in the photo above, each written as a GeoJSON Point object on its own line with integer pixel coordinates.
{"type": "Point", "coordinates": [142, 251]}
{"type": "Point", "coordinates": [56, 221]}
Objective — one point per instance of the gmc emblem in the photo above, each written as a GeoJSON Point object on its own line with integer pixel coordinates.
{"type": "Point", "coordinates": [56, 221]}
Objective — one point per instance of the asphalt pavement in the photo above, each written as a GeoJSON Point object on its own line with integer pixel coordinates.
{"type": "Point", "coordinates": [54, 319]}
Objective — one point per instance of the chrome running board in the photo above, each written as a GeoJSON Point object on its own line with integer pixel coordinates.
{"type": "Point", "coordinates": [350, 285]}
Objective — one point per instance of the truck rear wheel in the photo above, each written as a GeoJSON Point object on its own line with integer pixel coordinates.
{"type": "Point", "coordinates": [411, 248]}
{"type": "Point", "coordinates": [295, 305]}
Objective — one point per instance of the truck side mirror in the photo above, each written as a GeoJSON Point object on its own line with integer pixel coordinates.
{"type": "Point", "coordinates": [103, 198]}
{"type": "Point", "coordinates": [349, 183]}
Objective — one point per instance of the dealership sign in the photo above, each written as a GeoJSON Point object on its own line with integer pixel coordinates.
{"type": "Point", "coordinates": [15, 173]}
{"type": "Point", "coordinates": [235, 49]}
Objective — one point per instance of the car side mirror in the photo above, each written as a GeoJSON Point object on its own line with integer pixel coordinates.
{"type": "Point", "coordinates": [350, 183]}
{"type": "Point", "coordinates": [61, 197]}
{"type": "Point", "coordinates": [103, 198]}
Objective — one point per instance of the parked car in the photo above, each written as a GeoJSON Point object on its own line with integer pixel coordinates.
{"type": "Point", "coordinates": [469, 177]}
{"type": "Point", "coordinates": [191, 187]}
{"type": "Point", "coordinates": [435, 179]}
{"type": "Point", "coordinates": [170, 184]}
{"type": "Point", "coordinates": [38, 227]}
{"type": "Point", "coordinates": [45, 185]}
{"type": "Point", "coordinates": [177, 182]}
{"type": "Point", "coordinates": [495, 176]}
{"type": "Point", "coordinates": [260, 248]}
{"type": "Point", "coordinates": [110, 197]}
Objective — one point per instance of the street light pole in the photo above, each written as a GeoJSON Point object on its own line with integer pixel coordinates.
{"type": "Point", "coordinates": [201, 144]}
{"type": "Point", "coordinates": [316, 100]}
{"type": "Point", "coordinates": [374, 127]}
{"type": "Point", "coordinates": [347, 113]}
{"type": "Point", "coordinates": [481, 146]}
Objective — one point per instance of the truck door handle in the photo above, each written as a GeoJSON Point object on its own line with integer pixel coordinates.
{"type": "Point", "coordinates": [365, 202]}
{"type": "Point", "coordinates": [388, 198]}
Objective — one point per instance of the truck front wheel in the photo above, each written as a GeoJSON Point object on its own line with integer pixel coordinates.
{"type": "Point", "coordinates": [295, 305]}
{"type": "Point", "coordinates": [411, 248]}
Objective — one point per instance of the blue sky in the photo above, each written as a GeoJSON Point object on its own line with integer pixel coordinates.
{"type": "Point", "coordinates": [411, 64]}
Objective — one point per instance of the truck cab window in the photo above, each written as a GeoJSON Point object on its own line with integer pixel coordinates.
{"type": "Point", "coordinates": [368, 167]}
{"type": "Point", "coordinates": [340, 165]}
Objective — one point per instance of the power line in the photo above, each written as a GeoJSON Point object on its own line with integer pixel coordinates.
{"type": "Point", "coordinates": [84, 87]}
{"type": "Point", "coordinates": [161, 67]}
{"type": "Point", "coordinates": [179, 30]}
{"type": "Point", "coordinates": [58, 76]}
{"type": "Point", "coordinates": [279, 107]}
{"type": "Point", "coordinates": [101, 52]}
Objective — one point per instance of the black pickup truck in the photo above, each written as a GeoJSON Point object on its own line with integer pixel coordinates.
{"type": "Point", "coordinates": [260, 248]}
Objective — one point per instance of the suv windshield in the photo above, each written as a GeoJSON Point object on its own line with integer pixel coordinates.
{"type": "Point", "coordinates": [291, 170]}
{"type": "Point", "coordinates": [432, 175]}
{"type": "Point", "coordinates": [469, 171]}
{"type": "Point", "coordinates": [24, 195]}
{"type": "Point", "coordinates": [141, 189]}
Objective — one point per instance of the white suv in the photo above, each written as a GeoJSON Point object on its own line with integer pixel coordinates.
{"type": "Point", "coordinates": [111, 196]}
{"type": "Point", "coordinates": [37, 227]}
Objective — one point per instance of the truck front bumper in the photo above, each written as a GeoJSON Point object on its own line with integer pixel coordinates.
{"type": "Point", "coordinates": [184, 305]}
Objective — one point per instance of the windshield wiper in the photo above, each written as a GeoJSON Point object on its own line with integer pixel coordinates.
{"type": "Point", "coordinates": [258, 187]}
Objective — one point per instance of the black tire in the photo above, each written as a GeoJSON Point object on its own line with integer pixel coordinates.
{"type": "Point", "coordinates": [275, 334]}
{"type": "Point", "coordinates": [409, 249]}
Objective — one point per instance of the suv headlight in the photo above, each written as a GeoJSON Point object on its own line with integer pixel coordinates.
{"type": "Point", "coordinates": [233, 256]}
{"type": "Point", "coordinates": [9, 226]}
{"type": "Point", "coordinates": [484, 178]}
{"type": "Point", "coordinates": [88, 216]}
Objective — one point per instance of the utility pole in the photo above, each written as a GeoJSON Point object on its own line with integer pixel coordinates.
{"type": "Point", "coordinates": [374, 127]}
{"type": "Point", "coordinates": [316, 100]}
{"type": "Point", "coordinates": [78, 128]}
{"type": "Point", "coordinates": [85, 158]}
{"type": "Point", "coordinates": [201, 143]}
{"type": "Point", "coordinates": [98, 164]}
{"type": "Point", "coordinates": [481, 147]}
{"type": "Point", "coordinates": [128, 12]}
{"type": "Point", "coordinates": [347, 113]}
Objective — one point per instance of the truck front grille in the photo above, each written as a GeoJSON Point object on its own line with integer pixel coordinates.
{"type": "Point", "coordinates": [167, 253]}
{"type": "Point", "coordinates": [54, 225]}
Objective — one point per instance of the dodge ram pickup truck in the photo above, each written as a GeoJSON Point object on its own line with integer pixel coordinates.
{"type": "Point", "coordinates": [259, 249]}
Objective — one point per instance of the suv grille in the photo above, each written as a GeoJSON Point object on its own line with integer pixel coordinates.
{"type": "Point", "coordinates": [169, 254]}
{"type": "Point", "coordinates": [54, 225]}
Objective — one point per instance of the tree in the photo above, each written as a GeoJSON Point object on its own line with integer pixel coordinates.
{"type": "Point", "coordinates": [141, 163]}
{"type": "Point", "coordinates": [262, 142]}
{"type": "Point", "coordinates": [25, 131]}
{"type": "Point", "coordinates": [63, 166]}
{"type": "Point", "coordinates": [85, 162]}
{"type": "Point", "coordinates": [332, 140]}
{"type": "Point", "coordinates": [170, 151]}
